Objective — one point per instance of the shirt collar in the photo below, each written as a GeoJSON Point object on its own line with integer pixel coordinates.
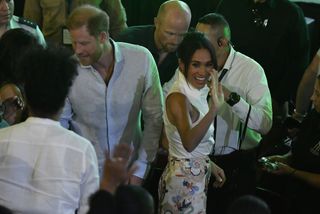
{"type": "Point", "coordinates": [118, 56]}
{"type": "Point", "coordinates": [190, 89]}
{"type": "Point", "coordinates": [227, 65]}
{"type": "Point", "coordinates": [13, 23]}
{"type": "Point", "coordinates": [40, 120]}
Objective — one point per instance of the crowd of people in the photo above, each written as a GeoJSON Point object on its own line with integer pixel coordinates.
{"type": "Point", "coordinates": [87, 102]}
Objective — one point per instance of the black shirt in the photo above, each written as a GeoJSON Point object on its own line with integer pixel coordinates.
{"type": "Point", "coordinates": [306, 149]}
{"type": "Point", "coordinates": [144, 35]}
{"type": "Point", "coordinates": [275, 35]}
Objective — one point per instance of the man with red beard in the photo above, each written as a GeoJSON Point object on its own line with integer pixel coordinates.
{"type": "Point", "coordinates": [117, 82]}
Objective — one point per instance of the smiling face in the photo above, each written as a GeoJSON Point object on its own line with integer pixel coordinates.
{"type": "Point", "coordinates": [6, 11]}
{"type": "Point", "coordinates": [199, 68]}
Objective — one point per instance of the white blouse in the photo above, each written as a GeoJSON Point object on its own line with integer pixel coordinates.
{"type": "Point", "coordinates": [198, 98]}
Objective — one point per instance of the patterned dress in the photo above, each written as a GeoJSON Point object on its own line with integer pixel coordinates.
{"type": "Point", "coordinates": [183, 184]}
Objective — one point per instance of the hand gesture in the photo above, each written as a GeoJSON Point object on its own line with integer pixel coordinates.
{"type": "Point", "coordinates": [216, 92]}
{"type": "Point", "coordinates": [116, 169]}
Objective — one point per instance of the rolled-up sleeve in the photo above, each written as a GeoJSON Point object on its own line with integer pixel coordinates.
{"type": "Point", "coordinates": [258, 96]}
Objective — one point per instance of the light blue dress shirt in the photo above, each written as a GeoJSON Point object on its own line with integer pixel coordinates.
{"type": "Point", "coordinates": [108, 115]}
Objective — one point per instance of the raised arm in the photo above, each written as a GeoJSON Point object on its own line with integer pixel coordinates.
{"type": "Point", "coordinates": [178, 110]}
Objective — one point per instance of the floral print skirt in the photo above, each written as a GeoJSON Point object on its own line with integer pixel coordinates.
{"type": "Point", "coordinates": [183, 186]}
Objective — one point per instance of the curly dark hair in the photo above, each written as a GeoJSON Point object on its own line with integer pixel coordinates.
{"type": "Point", "coordinates": [14, 44]}
{"type": "Point", "coordinates": [48, 75]}
{"type": "Point", "coordinates": [192, 42]}
{"type": "Point", "coordinates": [4, 210]}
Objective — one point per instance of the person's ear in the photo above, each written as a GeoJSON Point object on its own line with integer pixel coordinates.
{"type": "Point", "coordinates": [219, 41]}
{"type": "Point", "coordinates": [222, 42]}
{"type": "Point", "coordinates": [155, 21]}
{"type": "Point", "coordinates": [181, 66]}
{"type": "Point", "coordinates": [103, 36]}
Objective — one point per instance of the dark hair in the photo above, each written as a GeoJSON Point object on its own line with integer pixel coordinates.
{"type": "Point", "coordinates": [218, 22]}
{"type": "Point", "coordinates": [192, 42]}
{"type": "Point", "coordinates": [14, 44]}
{"type": "Point", "coordinates": [249, 204]}
{"type": "Point", "coordinates": [131, 199]}
{"type": "Point", "coordinates": [95, 19]}
{"type": "Point", "coordinates": [4, 210]}
{"type": "Point", "coordinates": [48, 77]}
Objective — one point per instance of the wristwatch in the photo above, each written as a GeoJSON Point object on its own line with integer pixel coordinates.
{"type": "Point", "coordinates": [233, 98]}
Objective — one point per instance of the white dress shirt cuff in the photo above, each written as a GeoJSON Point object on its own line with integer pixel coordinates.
{"type": "Point", "coordinates": [142, 168]}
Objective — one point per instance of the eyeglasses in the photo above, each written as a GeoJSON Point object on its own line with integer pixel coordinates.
{"type": "Point", "coordinates": [258, 20]}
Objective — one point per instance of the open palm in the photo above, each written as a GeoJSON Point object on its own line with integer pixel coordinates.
{"type": "Point", "coordinates": [217, 97]}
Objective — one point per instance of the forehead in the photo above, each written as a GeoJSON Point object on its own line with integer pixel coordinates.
{"type": "Point", "coordinates": [81, 33]}
{"type": "Point", "coordinates": [201, 55]}
{"type": "Point", "coordinates": [176, 23]}
{"type": "Point", "coordinates": [83, 30]}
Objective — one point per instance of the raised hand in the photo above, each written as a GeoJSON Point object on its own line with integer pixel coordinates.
{"type": "Point", "coordinates": [216, 92]}
{"type": "Point", "coordinates": [117, 169]}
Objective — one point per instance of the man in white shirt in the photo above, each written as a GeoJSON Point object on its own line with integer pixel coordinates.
{"type": "Point", "coordinates": [247, 112]}
{"type": "Point", "coordinates": [118, 84]}
{"type": "Point", "coordinates": [244, 85]}
{"type": "Point", "coordinates": [44, 167]}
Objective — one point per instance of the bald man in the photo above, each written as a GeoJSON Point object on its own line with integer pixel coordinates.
{"type": "Point", "coordinates": [162, 38]}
